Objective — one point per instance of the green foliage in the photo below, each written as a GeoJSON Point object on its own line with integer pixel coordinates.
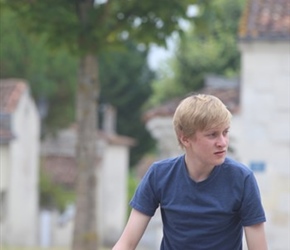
{"type": "Point", "coordinates": [164, 87]}
{"type": "Point", "coordinates": [64, 27]}
{"type": "Point", "coordinates": [209, 46]}
{"type": "Point", "coordinates": [125, 80]}
{"type": "Point", "coordinates": [217, 15]}
{"type": "Point", "coordinates": [53, 195]}
{"type": "Point", "coordinates": [198, 56]}
{"type": "Point", "coordinates": [106, 24]}
{"type": "Point", "coordinates": [125, 83]}
{"type": "Point", "coordinates": [50, 73]}
{"type": "Point", "coordinates": [132, 185]}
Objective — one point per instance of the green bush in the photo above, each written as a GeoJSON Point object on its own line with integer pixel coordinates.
{"type": "Point", "coordinates": [53, 195]}
{"type": "Point", "coordinates": [132, 185]}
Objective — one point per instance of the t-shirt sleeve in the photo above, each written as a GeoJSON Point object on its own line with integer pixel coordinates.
{"type": "Point", "coordinates": [145, 199]}
{"type": "Point", "coordinates": [251, 211]}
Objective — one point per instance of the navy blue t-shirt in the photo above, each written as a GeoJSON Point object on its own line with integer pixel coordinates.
{"type": "Point", "coordinates": [207, 215]}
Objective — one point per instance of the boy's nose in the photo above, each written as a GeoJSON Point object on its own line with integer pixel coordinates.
{"type": "Point", "coordinates": [222, 141]}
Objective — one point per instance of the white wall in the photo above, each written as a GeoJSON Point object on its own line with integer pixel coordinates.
{"type": "Point", "coordinates": [265, 134]}
{"type": "Point", "coordinates": [62, 233]}
{"type": "Point", "coordinates": [113, 194]}
{"type": "Point", "coordinates": [56, 229]}
{"type": "Point", "coordinates": [4, 186]}
{"type": "Point", "coordinates": [4, 167]}
{"type": "Point", "coordinates": [161, 129]}
{"type": "Point", "coordinates": [22, 218]}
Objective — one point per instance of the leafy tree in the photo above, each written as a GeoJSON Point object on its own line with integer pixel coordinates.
{"type": "Point", "coordinates": [87, 27]}
{"type": "Point", "coordinates": [209, 46]}
{"type": "Point", "coordinates": [51, 74]}
{"type": "Point", "coordinates": [165, 86]}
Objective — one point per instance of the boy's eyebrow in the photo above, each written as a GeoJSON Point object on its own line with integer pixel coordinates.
{"type": "Point", "coordinates": [214, 129]}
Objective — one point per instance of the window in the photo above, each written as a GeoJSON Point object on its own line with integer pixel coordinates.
{"type": "Point", "coordinates": [258, 166]}
{"type": "Point", "coordinates": [2, 205]}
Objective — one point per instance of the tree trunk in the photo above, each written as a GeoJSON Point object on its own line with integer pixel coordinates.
{"type": "Point", "coordinates": [85, 230]}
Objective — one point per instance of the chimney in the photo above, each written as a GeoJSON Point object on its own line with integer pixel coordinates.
{"type": "Point", "coordinates": [109, 119]}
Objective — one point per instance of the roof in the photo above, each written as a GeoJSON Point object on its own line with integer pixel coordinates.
{"type": "Point", "coordinates": [63, 143]}
{"type": "Point", "coordinates": [11, 91]}
{"type": "Point", "coordinates": [265, 20]}
{"type": "Point", "coordinates": [58, 154]}
{"type": "Point", "coordinates": [164, 110]}
{"type": "Point", "coordinates": [116, 139]}
{"type": "Point", "coordinates": [229, 96]}
{"type": "Point", "coordinates": [60, 169]}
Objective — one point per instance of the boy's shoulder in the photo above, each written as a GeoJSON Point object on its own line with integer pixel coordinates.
{"type": "Point", "coordinates": [169, 162]}
{"type": "Point", "coordinates": [167, 165]}
{"type": "Point", "coordinates": [235, 166]}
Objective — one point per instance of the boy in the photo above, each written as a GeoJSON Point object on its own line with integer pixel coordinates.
{"type": "Point", "coordinates": [206, 199]}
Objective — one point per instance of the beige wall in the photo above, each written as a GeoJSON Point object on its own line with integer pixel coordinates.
{"type": "Point", "coordinates": [265, 134]}
{"type": "Point", "coordinates": [161, 129]}
{"type": "Point", "coordinates": [22, 200]}
{"type": "Point", "coordinates": [112, 176]}
{"type": "Point", "coordinates": [113, 192]}
{"type": "Point", "coordinates": [4, 186]}
{"type": "Point", "coordinates": [4, 167]}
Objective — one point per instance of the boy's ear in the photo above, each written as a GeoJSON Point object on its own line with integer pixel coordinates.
{"type": "Point", "coordinates": [184, 140]}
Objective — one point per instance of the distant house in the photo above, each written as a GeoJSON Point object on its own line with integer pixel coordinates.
{"type": "Point", "coordinates": [19, 151]}
{"type": "Point", "coordinates": [264, 141]}
{"type": "Point", "coordinates": [58, 154]}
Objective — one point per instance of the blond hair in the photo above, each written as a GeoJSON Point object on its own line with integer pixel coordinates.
{"type": "Point", "coordinates": [197, 113]}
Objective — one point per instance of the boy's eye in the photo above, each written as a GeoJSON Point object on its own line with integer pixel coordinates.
{"type": "Point", "coordinates": [215, 134]}
{"type": "Point", "coordinates": [212, 134]}
{"type": "Point", "coordinates": [226, 132]}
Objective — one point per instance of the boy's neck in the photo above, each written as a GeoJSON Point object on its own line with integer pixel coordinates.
{"type": "Point", "coordinates": [196, 170]}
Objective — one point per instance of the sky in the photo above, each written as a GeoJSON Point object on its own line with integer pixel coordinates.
{"type": "Point", "coordinates": [157, 54]}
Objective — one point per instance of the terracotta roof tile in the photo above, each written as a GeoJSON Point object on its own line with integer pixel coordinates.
{"type": "Point", "coordinates": [265, 19]}
{"type": "Point", "coordinates": [164, 110]}
{"type": "Point", "coordinates": [229, 96]}
{"type": "Point", "coordinates": [116, 139]}
{"type": "Point", "coordinates": [11, 91]}
{"type": "Point", "coordinates": [62, 170]}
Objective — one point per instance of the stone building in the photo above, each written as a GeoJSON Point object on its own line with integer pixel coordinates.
{"type": "Point", "coordinates": [19, 158]}
{"type": "Point", "coordinates": [264, 141]}
{"type": "Point", "coordinates": [112, 170]}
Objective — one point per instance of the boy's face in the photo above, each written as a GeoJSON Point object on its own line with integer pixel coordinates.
{"type": "Point", "coordinates": [209, 147]}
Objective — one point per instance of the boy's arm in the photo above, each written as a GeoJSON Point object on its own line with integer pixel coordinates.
{"type": "Point", "coordinates": [133, 231]}
{"type": "Point", "coordinates": [256, 237]}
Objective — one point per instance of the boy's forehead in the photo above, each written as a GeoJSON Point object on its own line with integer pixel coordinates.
{"type": "Point", "coordinates": [217, 127]}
